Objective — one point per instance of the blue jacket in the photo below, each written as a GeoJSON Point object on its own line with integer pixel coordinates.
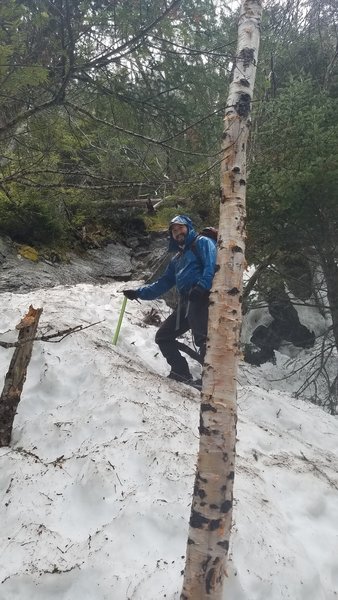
{"type": "Point", "coordinates": [187, 268]}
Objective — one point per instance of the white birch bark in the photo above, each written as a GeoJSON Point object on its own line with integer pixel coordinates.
{"type": "Point", "coordinates": [211, 512]}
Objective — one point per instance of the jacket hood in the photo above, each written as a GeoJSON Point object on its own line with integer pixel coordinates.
{"type": "Point", "coordinates": [181, 220]}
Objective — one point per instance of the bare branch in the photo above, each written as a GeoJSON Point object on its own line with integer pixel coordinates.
{"type": "Point", "coordinates": [107, 57]}
{"type": "Point", "coordinates": [134, 133]}
{"type": "Point", "coordinates": [23, 116]}
{"type": "Point", "coordinates": [253, 279]}
{"type": "Point", "coordinates": [62, 334]}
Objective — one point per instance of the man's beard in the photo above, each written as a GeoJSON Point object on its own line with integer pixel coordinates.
{"type": "Point", "coordinates": [180, 239]}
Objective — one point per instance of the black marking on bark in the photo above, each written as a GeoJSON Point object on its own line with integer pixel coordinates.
{"type": "Point", "coordinates": [203, 479]}
{"type": "Point", "coordinates": [190, 542]}
{"type": "Point", "coordinates": [217, 268]}
{"type": "Point", "coordinates": [223, 198]}
{"type": "Point", "coordinates": [201, 493]}
{"type": "Point", "coordinates": [202, 504]}
{"type": "Point", "coordinates": [225, 456]}
{"type": "Point", "coordinates": [205, 563]}
{"type": "Point", "coordinates": [237, 249]}
{"type": "Point", "coordinates": [223, 488]}
{"type": "Point", "coordinates": [240, 299]}
{"type": "Point", "coordinates": [242, 182]}
{"type": "Point", "coordinates": [233, 291]}
{"type": "Point", "coordinates": [214, 524]}
{"type": "Point", "coordinates": [213, 506]}
{"type": "Point", "coordinates": [203, 430]}
{"type": "Point", "coordinates": [197, 520]}
{"type": "Point", "coordinates": [236, 170]}
{"type": "Point", "coordinates": [244, 82]}
{"type": "Point", "coordinates": [209, 581]}
{"type": "Point", "coordinates": [224, 545]}
{"type": "Point", "coordinates": [247, 56]}
{"type": "Point", "coordinates": [231, 476]}
{"type": "Point", "coordinates": [242, 105]}
{"type": "Point", "coordinates": [224, 135]}
{"type": "Point", "coordinates": [226, 506]}
{"type": "Point", "coordinates": [205, 407]}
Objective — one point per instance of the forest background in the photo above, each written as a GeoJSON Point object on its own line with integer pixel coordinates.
{"type": "Point", "coordinates": [107, 104]}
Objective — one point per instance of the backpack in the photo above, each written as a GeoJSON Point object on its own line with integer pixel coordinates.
{"type": "Point", "coordinates": [209, 232]}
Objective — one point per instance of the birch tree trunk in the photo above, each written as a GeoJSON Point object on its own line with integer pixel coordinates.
{"type": "Point", "coordinates": [211, 511]}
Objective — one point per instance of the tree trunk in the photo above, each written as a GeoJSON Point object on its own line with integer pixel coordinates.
{"type": "Point", "coordinates": [211, 512]}
{"type": "Point", "coordinates": [16, 374]}
{"type": "Point", "coordinates": [330, 270]}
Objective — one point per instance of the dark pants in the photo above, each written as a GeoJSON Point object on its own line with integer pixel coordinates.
{"type": "Point", "coordinates": [188, 315]}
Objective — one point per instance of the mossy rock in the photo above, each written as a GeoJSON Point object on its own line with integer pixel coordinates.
{"type": "Point", "coordinates": [29, 253]}
{"type": "Point", "coordinates": [55, 255]}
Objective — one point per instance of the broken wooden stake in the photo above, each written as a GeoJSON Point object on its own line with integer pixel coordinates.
{"type": "Point", "coordinates": [16, 375]}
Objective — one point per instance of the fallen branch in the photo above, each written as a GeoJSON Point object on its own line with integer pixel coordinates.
{"type": "Point", "coordinates": [16, 375]}
{"type": "Point", "coordinates": [62, 334]}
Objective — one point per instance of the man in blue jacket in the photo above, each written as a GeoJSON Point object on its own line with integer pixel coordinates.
{"type": "Point", "coordinates": [191, 270]}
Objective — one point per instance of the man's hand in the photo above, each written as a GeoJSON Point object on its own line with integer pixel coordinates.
{"type": "Point", "coordinates": [197, 293]}
{"type": "Point", "coordinates": [131, 294]}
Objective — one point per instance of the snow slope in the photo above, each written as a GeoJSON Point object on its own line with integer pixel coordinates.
{"type": "Point", "coordinates": [96, 488]}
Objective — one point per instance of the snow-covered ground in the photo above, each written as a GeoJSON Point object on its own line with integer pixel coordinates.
{"type": "Point", "coordinates": [96, 487]}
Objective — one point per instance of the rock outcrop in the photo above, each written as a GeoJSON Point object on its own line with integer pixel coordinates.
{"type": "Point", "coordinates": [114, 261]}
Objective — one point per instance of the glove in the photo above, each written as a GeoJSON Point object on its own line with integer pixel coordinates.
{"type": "Point", "coordinates": [197, 293]}
{"type": "Point", "coordinates": [131, 294]}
